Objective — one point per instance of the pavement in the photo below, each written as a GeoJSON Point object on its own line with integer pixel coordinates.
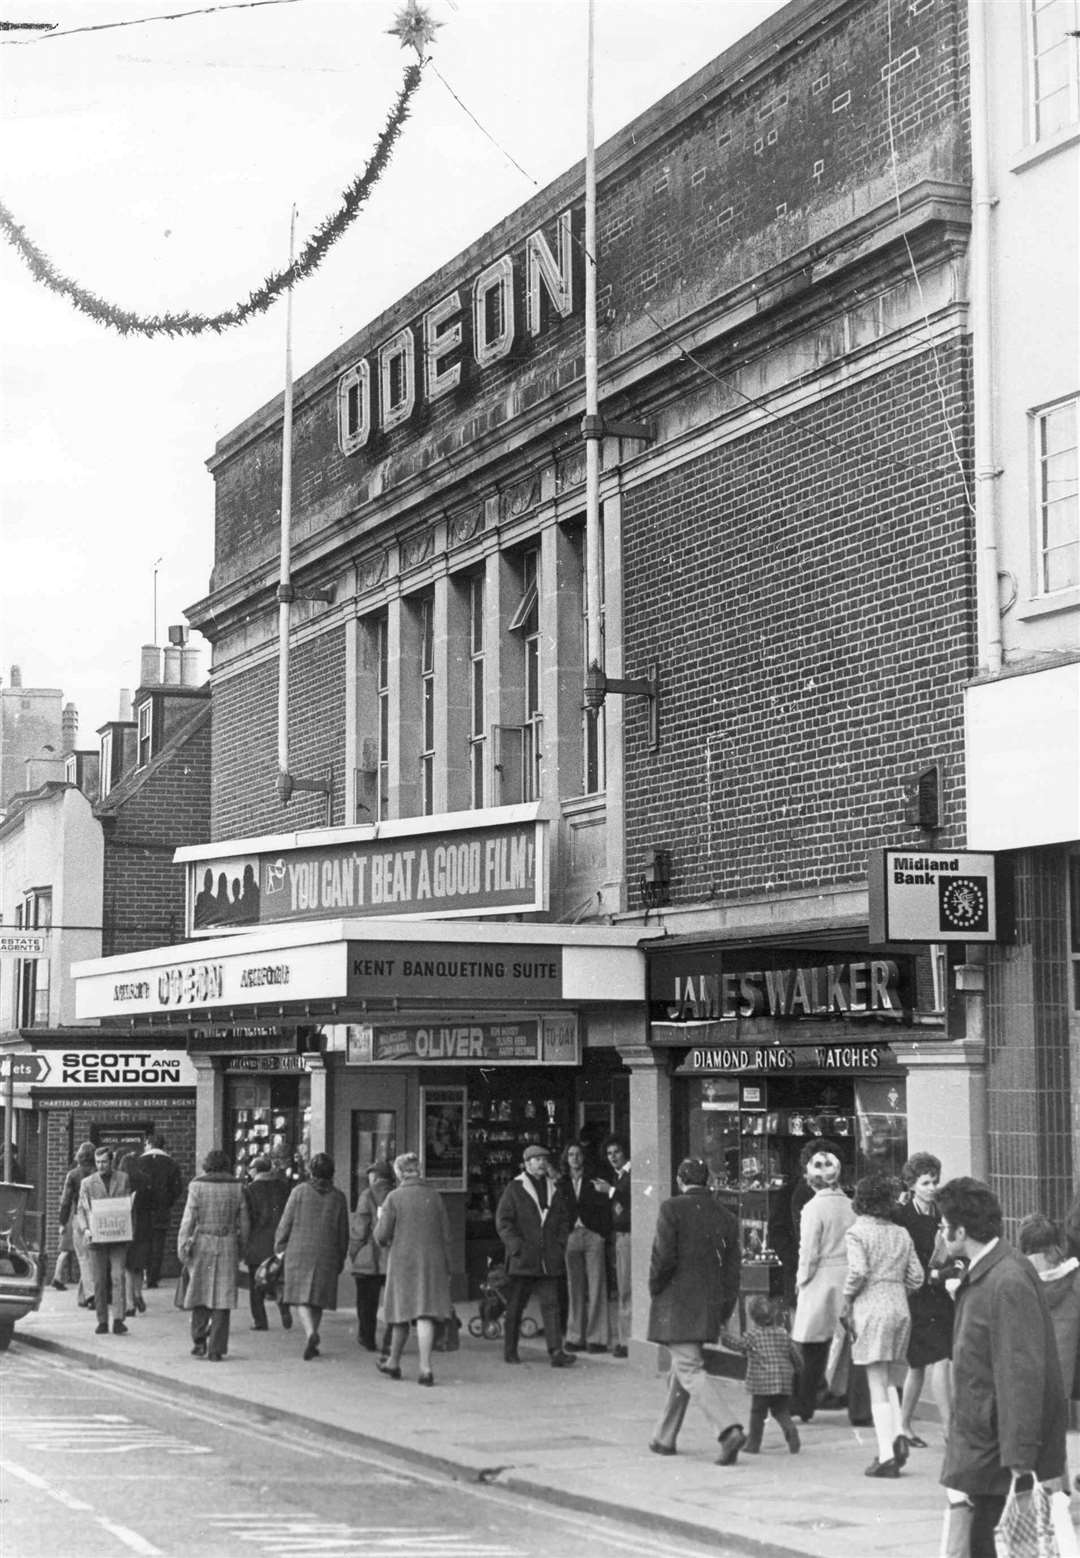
{"type": "Point", "coordinates": [576, 1437]}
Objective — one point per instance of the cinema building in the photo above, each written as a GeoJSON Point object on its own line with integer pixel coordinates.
{"type": "Point", "coordinates": [488, 916]}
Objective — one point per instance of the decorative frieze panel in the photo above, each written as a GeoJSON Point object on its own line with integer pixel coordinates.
{"type": "Point", "coordinates": [371, 571]}
{"type": "Point", "coordinates": [520, 498]}
{"type": "Point", "coordinates": [416, 549]}
{"type": "Point", "coordinates": [462, 527]}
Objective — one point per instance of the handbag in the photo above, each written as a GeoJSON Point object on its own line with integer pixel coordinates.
{"type": "Point", "coordinates": [1026, 1527]}
{"type": "Point", "coordinates": [838, 1365]}
{"type": "Point", "coordinates": [269, 1276]}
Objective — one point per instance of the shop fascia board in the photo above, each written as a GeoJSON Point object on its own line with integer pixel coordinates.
{"type": "Point", "coordinates": [600, 963]}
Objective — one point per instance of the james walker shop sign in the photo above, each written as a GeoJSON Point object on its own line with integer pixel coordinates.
{"type": "Point", "coordinates": [483, 870]}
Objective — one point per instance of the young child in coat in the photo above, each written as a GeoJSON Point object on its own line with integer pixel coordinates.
{"type": "Point", "coordinates": [771, 1360]}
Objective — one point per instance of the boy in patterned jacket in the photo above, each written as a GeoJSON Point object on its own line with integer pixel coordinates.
{"type": "Point", "coordinates": [771, 1360]}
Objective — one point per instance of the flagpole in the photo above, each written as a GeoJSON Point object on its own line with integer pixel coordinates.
{"type": "Point", "coordinates": [285, 591]}
{"type": "Point", "coordinates": [591, 427]}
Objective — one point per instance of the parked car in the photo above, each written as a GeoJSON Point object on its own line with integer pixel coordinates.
{"type": "Point", "coordinates": [22, 1265]}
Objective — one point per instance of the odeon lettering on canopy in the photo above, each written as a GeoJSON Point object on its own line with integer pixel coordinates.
{"type": "Point", "coordinates": [513, 299]}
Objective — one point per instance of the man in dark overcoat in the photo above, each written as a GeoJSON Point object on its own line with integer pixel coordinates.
{"type": "Point", "coordinates": [164, 1184]}
{"type": "Point", "coordinates": [533, 1221]}
{"type": "Point", "coordinates": [265, 1196]}
{"type": "Point", "coordinates": [694, 1286]}
{"type": "Point", "coordinates": [1009, 1410]}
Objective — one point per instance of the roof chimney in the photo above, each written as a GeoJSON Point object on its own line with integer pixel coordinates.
{"type": "Point", "coordinates": [16, 676]}
{"type": "Point", "coordinates": [189, 666]}
{"type": "Point", "coordinates": [69, 727]}
{"type": "Point", "coordinates": [150, 666]}
{"type": "Point", "coordinates": [124, 711]}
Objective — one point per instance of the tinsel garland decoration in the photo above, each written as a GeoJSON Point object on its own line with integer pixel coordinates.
{"type": "Point", "coordinates": [257, 302]}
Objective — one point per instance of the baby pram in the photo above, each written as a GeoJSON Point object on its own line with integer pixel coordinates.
{"type": "Point", "coordinates": [488, 1319]}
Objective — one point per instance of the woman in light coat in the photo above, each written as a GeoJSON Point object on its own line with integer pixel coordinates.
{"type": "Point", "coordinates": [819, 1282]}
{"type": "Point", "coordinates": [883, 1268]}
{"type": "Point", "coordinates": [313, 1236]}
{"type": "Point", "coordinates": [213, 1232]}
{"type": "Point", "coordinates": [413, 1223]}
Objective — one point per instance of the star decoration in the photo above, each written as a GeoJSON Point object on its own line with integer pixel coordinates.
{"type": "Point", "coordinates": [414, 27]}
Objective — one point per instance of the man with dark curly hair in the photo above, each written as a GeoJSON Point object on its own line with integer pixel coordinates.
{"type": "Point", "coordinates": [1009, 1410]}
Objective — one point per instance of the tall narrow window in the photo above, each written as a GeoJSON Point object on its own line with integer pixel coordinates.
{"type": "Point", "coordinates": [32, 974]}
{"type": "Point", "coordinates": [146, 726]}
{"type": "Point", "coordinates": [526, 622]}
{"type": "Point", "coordinates": [1055, 76]}
{"type": "Point", "coordinates": [427, 704]}
{"type": "Point", "coordinates": [106, 762]}
{"type": "Point", "coordinates": [476, 690]}
{"type": "Point", "coordinates": [382, 677]}
{"type": "Point", "coordinates": [1059, 513]}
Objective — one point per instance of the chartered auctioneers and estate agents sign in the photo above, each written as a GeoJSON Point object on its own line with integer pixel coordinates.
{"type": "Point", "coordinates": [933, 895]}
{"type": "Point", "coordinates": [472, 871]}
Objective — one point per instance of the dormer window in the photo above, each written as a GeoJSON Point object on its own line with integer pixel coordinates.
{"type": "Point", "coordinates": [146, 727]}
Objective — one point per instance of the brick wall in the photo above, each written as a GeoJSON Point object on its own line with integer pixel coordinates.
{"type": "Point", "coordinates": [244, 799]}
{"type": "Point", "coordinates": [143, 890]}
{"type": "Point", "coordinates": [808, 592]}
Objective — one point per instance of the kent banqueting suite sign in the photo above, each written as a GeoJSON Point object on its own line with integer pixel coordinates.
{"type": "Point", "coordinates": [476, 871]}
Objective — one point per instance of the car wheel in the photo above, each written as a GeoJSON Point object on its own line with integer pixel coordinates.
{"type": "Point", "coordinates": [7, 1331]}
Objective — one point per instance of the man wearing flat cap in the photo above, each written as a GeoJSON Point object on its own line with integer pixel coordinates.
{"type": "Point", "coordinates": [533, 1221]}
{"type": "Point", "coordinates": [694, 1285]}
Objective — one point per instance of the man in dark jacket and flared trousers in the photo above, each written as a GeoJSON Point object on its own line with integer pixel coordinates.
{"type": "Point", "coordinates": [533, 1221]}
{"type": "Point", "coordinates": [694, 1286]}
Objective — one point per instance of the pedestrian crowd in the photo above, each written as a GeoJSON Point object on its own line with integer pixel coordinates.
{"type": "Point", "coordinates": [895, 1294]}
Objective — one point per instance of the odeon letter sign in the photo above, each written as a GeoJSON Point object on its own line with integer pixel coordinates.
{"type": "Point", "coordinates": [458, 337]}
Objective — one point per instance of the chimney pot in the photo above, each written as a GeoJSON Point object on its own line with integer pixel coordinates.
{"type": "Point", "coordinates": [16, 676]}
{"type": "Point", "coordinates": [172, 666]}
{"type": "Point", "coordinates": [124, 710]}
{"type": "Point", "coordinates": [150, 666]}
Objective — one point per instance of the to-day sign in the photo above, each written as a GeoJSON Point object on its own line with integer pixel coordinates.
{"type": "Point", "coordinates": [932, 895]}
{"type": "Point", "coordinates": [103, 1068]}
{"type": "Point", "coordinates": [475, 871]}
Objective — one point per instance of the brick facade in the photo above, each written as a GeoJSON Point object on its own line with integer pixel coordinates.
{"type": "Point", "coordinates": [244, 756]}
{"type": "Point", "coordinates": [145, 820]}
{"type": "Point", "coordinates": [808, 592]}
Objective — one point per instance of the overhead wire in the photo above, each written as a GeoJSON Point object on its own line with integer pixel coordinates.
{"type": "Point", "coordinates": [135, 21]}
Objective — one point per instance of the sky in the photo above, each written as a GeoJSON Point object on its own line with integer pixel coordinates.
{"type": "Point", "coordinates": [157, 165]}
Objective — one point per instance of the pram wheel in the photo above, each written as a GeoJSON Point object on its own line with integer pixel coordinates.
{"type": "Point", "coordinates": [529, 1326]}
{"type": "Point", "coordinates": [476, 1326]}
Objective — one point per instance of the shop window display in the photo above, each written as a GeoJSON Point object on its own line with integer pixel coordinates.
{"type": "Point", "coordinates": [751, 1133]}
{"type": "Point", "coordinates": [503, 1117]}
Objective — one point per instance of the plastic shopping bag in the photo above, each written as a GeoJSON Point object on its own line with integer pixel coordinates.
{"type": "Point", "coordinates": [1026, 1527]}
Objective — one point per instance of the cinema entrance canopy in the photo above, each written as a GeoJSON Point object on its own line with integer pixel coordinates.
{"type": "Point", "coordinates": [351, 969]}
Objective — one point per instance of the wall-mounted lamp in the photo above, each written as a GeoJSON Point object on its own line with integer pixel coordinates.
{"type": "Point", "coordinates": [654, 884]}
{"type": "Point", "coordinates": [922, 799]}
{"type": "Point", "coordinates": [598, 685]}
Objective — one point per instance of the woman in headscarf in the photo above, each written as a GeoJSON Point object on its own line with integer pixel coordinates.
{"type": "Point", "coordinates": [415, 1227]}
{"type": "Point", "coordinates": [819, 1282]}
{"type": "Point", "coordinates": [313, 1236]}
{"type": "Point", "coordinates": [213, 1233]}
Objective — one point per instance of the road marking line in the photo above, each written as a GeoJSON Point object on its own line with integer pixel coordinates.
{"type": "Point", "coordinates": [132, 1539]}
{"type": "Point", "coordinates": [67, 1499]}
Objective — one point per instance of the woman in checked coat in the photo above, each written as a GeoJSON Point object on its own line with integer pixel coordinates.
{"type": "Point", "coordinates": [313, 1236]}
{"type": "Point", "coordinates": [213, 1232]}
